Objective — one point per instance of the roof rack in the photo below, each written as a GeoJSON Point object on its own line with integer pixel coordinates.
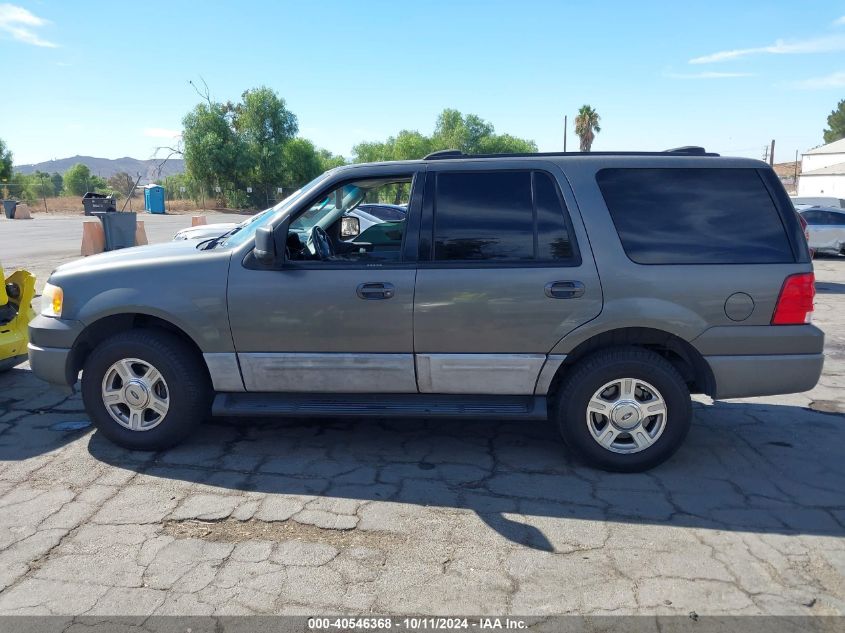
{"type": "Point", "coordinates": [687, 150]}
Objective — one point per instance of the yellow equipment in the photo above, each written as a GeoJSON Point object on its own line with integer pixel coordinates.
{"type": "Point", "coordinates": [16, 293]}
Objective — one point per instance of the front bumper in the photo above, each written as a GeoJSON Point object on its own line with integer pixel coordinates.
{"type": "Point", "coordinates": [51, 364]}
{"type": "Point", "coordinates": [50, 349]}
{"type": "Point", "coordinates": [764, 375]}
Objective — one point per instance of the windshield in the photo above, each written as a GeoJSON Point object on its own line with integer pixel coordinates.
{"type": "Point", "coordinates": [246, 230]}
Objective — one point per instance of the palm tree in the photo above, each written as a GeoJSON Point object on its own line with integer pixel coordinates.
{"type": "Point", "coordinates": [587, 126]}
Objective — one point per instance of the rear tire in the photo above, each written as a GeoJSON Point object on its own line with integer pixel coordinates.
{"type": "Point", "coordinates": [145, 389]}
{"type": "Point", "coordinates": [625, 409]}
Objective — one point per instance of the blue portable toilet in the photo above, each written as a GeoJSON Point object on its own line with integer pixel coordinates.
{"type": "Point", "coordinates": [154, 198]}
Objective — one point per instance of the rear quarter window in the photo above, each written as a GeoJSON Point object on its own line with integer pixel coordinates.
{"type": "Point", "coordinates": [694, 216]}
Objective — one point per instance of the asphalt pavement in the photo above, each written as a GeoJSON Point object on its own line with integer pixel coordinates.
{"type": "Point", "coordinates": [258, 516]}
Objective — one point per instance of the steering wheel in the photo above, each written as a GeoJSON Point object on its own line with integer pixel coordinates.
{"type": "Point", "coordinates": [322, 243]}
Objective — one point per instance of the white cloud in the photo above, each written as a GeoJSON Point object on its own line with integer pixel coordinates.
{"type": "Point", "coordinates": [839, 21]}
{"type": "Point", "coordinates": [160, 132]}
{"type": "Point", "coordinates": [818, 45]}
{"type": "Point", "coordinates": [706, 75]}
{"type": "Point", "coordinates": [19, 23]}
{"type": "Point", "coordinates": [833, 80]}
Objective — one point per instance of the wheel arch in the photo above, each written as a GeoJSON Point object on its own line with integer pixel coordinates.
{"type": "Point", "coordinates": [107, 326]}
{"type": "Point", "coordinates": [684, 357]}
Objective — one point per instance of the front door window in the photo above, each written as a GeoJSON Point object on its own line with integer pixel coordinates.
{"type": "Point", "coordinates": [358, 221]}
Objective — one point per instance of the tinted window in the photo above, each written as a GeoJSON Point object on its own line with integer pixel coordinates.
{"type": "Point", "coordinates": [694, 216]}
{"type": "Point", "coordinates": [388, 214]}
{"type": "Point", "coordinates": [813, 217]}
{"type": "Point", "coordinates": [837, 219]}
{"type": "Point", "coordinates": [552, 233]}
{"type": "Point", "coordinates": [484, 216]}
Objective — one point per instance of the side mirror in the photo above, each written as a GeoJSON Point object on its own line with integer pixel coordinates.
{"type": "Point", "coordinates": [350, 226]}
{"type": "Point", "coordinates": [265, 247]}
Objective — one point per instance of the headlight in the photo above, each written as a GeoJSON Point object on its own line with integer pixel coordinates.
{"type": "Point", "coordinates": [52, 299]}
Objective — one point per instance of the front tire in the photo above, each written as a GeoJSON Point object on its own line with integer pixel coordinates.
{"type": "Point", "coordinates": [625, 409]}
{"type": "Point", "coordinates": [145, 389]}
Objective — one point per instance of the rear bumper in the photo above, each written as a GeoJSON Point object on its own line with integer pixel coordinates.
{"type": "Point", "coordinates": [764, 375]}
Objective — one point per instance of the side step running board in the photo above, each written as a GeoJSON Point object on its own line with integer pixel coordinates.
{"type": "Point", "coordinates": [380, 405]}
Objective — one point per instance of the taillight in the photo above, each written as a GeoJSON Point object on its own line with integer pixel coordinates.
{"type": "Point", "coordinates": [795, 303]}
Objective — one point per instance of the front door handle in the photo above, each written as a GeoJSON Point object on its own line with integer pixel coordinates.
{"type": "Point", "coordinates": [376, 290]}
{"type": "Point", "coordinates": [564, 289]}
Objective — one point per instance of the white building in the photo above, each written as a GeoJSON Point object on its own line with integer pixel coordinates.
{"type": "Point", "coordinates": [823, 171]}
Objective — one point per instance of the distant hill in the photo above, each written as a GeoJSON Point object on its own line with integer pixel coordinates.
{"type": "Point", "coordinates": [107, 167]}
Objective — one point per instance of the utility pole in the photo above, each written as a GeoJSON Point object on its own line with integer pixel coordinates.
{"type": "Point", "coordinates": [772, 153]}
{"type": "Point", "coordinates": [795, 177]}
{"type": "Point", "coordinates": [565, 130]}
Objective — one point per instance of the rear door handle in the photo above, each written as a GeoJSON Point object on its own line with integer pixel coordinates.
{"type": "Point", "coordinates": [376, 290]}
{"type": "Point", "coordinates": [564, 289]}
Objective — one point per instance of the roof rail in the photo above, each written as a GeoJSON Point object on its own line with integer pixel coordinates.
{"type": "Point", "coordinates": [445, 153]}
{"type": "Point", "coordinates": [689, 150]}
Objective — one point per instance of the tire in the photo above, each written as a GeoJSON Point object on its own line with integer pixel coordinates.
{"type": "Point", "coordinates": [599, 381]}
{"type": "Point", "coordinates": [175, 404]}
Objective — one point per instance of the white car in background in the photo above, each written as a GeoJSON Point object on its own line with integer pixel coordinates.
{"type": "Point", "coordinates": [805, 202]}
{"type": "Point", "coordinates": [826, 226]}
{"type": "Point", "coordinates": [204, 231]}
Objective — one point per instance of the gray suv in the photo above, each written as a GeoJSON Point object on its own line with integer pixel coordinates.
{"type": "Point", "coordinates": [596, 291]}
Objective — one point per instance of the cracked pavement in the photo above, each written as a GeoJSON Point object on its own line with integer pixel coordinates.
{"type": "Point", "coordinates": [436, 517]}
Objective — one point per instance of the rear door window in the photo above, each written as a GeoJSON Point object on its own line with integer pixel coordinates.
{"type": "Point", "coordinates": [483, 216]}
{"type": "Point", "coordinates": [501, 216]}
{"type": "Point", "coordinates": [695, 216]}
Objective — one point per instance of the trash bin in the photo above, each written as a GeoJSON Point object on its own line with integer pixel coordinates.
{"type": "Point", "coordinates": [9, 207]}
{"type": "Point", "coordinates": [95, 203]}
{"type": "Point", "coordinates": [119, 229]}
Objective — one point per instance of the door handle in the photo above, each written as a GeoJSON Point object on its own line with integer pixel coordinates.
{"type": "Point", "coordinates": [564, 289]}
{"type": "Point", "coordinates": [376, 290]}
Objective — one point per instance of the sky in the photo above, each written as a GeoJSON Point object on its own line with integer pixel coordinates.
{"type": "Point", "coordinates": [111, 79]}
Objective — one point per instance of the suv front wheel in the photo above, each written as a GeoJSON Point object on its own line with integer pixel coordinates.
{"type": "Point", "coordinates": [145, 389]}
{"type": "Point", "coordinates": [625, 409]}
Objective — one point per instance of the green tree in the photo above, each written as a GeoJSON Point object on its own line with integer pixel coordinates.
{"type": "Point", "coordinates": [302, 163]}
{"type": "Point", "coordinates": [587, 126]}
{"type": "Point", "coordinates": [5, 161]}
{"type": "Point", "coordinates": [468, 133]}
{"type": "Point", "coordinates": [40, 185]}
{"type": "Point", "coordinates": [215, 155]}
{"type": "Point", "coordinates": [77, 179]}
{"type": "Point", "coordinates": [265, 126]}
{"type": "Point", "coordinates": [173, 187]}
{"type": "Point", "coordinates": [122, 183]}
{"type": "Point", "coordinates": [330, 161]}
{"type": "Point", "coordinates": [58, 183]}
{"type": "Point", "coordinates": [835, 124]}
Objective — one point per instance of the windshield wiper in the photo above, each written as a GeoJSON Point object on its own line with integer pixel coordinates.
{"type": "Point", "coordinates": [219, 240]}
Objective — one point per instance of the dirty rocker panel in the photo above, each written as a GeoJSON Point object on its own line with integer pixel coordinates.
{"type": "Point", "coordinates": [380, 405]}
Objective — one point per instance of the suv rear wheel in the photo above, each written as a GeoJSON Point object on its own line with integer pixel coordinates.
{"type": "Point", "coordinates": [144, 389]}
{"type": "Point", "coordinates": [625, 409]}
